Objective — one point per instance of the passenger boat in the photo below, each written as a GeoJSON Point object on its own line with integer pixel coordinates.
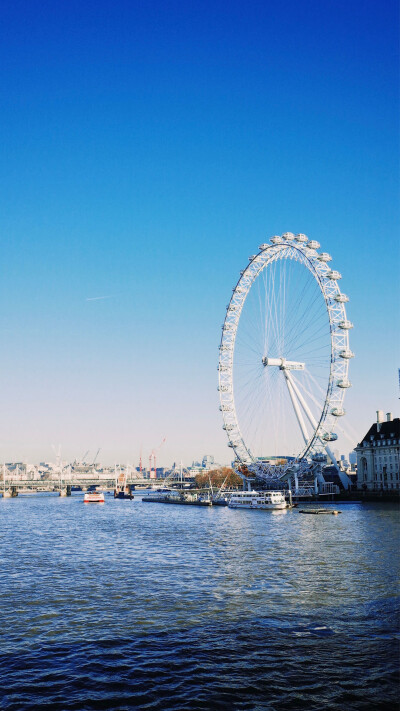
{"type": "Point", "coordinates": [257, 500]}
{"type": "Point", "coordinates": [94, 497]}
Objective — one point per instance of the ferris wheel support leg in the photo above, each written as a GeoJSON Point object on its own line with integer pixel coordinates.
{"type": "Point", "coordinates": [303, 403]}
{"type": "Point", "coordinates": [331, 455]}
{"type": "Point", "coordinates": [311, 418]}
{"type": "Point", "coordinates": [296, 483]}
{"type": "Point", "coordinates": [295, 404]}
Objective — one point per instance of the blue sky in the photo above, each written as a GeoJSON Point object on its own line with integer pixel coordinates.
{"type": "Point", "coordinates": [147, 150]}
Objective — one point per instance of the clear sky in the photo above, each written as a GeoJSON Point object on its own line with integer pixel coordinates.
{"type": "Point", "coordinates": [147, 149]}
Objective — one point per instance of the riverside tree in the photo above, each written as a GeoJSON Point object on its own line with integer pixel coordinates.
{"type": "Point", "coordinates": [217, 478]}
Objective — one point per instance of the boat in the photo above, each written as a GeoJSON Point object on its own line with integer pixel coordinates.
{"type": "Point", "coordinates": [257, 500]}
{"type": "Point", "coordinates": [177, 498]}
{"type": "Point", "coordinates": [220, 500]}
{"type": "Point", "coordinates": [94, 497]}
{"type": "Point", "coordinates": [125, 493]}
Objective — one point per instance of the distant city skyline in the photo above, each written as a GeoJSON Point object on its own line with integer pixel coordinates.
{"type": "Point", "coordinates": [147, 152]}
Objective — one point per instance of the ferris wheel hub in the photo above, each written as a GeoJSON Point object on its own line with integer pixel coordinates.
{"type": "Point", "coordinates": [283, 364]}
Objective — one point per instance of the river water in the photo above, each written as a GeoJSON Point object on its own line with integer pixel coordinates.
{"type": "Point", "coordinates": [132, 605]}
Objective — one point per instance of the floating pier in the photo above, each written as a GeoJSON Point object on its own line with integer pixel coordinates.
{"type": "Point", "coordinates": [317, 512]}
{"type": "Point", "coordinates": [176, 500]}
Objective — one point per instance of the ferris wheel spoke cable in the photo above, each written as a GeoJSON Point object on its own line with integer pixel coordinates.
{"type": "Point", "coordinates": [308, 392]}
{"type": "Point", "coordinates": [253, 399]}
{"type": "Point", "coordinates": [259, 429]}
{"type": "Point", "coordinates": [252, 418]}
{"type": "Point", "coordinates": [248, 387]}
{"type": "Point", "coordinates": [304, 299]}
{"type": "Point", "coordinates": [251, 333]}
{"type": "Point", "coordinates": [306, 342]}
{"type": "Point", "coordinates": [261, 314]}
{"type": "Point", "coordinates": [316, 383]}
{"type": "Point", "coordinates": [247, 337]}
{"type": "Point", "coordinates": [308, 320]}
{"type": "Point", "coordinates": [306, 332]}
{"type": "Point", "coordinates": [273, 309]}
{"type": "Point", "coordinates": [302, 325]}
{"type": "Point", "coordinates": [299, 298]}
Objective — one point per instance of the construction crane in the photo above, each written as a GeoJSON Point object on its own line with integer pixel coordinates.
{"type": "Point", "coordinates": [95, 457]}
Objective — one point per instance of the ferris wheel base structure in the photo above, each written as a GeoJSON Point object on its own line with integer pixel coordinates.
{"type": "Point", "coordinates": [313, 386]}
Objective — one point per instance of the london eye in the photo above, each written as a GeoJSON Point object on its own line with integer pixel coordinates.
{"type": "Point", "coordinates": [284, 357]}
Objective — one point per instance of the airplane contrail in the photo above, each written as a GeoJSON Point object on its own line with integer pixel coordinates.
{"type": "Point", "coordinates": [97, 298]}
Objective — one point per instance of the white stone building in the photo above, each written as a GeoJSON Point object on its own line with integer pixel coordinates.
{"type": "Point", "coordinates": [378, 455]}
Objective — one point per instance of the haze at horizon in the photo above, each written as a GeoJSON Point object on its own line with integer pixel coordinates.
{"type": "Point", "coordinates": [147, 151]}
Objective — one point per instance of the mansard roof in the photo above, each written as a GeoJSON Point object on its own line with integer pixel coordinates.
{"type": "Point", "coordinates": [386, 431]}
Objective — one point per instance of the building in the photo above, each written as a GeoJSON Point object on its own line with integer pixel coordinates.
{"type": "Point", "coordinates": [378, 455]}
{"type": "Point", "coordinates": [353, 459]}
{"type": "Point", "coordinates": [208, 462]}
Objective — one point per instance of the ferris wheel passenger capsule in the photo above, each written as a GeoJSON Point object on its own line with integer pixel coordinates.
{"type": "Point", "coordinates": [346, 353]}
{"type": "Point", "coordinates": [345, 325]}
{"type": "Point", "coordinates": [318, 457]}
{"type": "Point", "coordinates": [334, 275]}
{"type": "Point", "coordinates": [343, 383]}
{"type": "Point", "coordinates": [324, 257]}
{"type": "Point", "coordinates": [330, 437]}
{"type": "Point", "coordinates": [313, 244]}
{"type": "Point", "coordinates": [301, 238]}
{"type": "Point", "coordinates": [252, 256]}
{"type": "Point", "coordinates": [263, 246]}
{"type": "Point", "coordinates": [276, 239]}
{"type": "Point", "coordinates": [338, 411]}
{"type": "Point", "coordinates": [341, 298]}
{"type": "Point", "coordinates": [288, 235]}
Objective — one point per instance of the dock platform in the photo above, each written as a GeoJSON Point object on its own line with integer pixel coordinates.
{"type": "Point", "coordinates": [171, 500]}
{"type": "Point", "coordinates": [317, 512]}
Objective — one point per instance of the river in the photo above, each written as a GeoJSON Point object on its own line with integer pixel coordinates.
{"type": "Point", "coordinates": [132, 605]}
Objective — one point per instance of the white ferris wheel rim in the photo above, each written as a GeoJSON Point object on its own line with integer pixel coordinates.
{"type": "Point", "coordinates": [299, 248]}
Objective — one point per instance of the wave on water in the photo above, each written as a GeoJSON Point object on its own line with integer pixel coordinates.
{"type": "Point", "coordinates": [251, 665]}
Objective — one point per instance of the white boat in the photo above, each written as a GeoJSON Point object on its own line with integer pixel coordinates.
{"type": "Point", "coordinates": [257, 500]}
{"type": "Point", "coordinates": [94, 497]}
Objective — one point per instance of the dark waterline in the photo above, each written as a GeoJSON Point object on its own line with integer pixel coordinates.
{"type": "Point", "coordinates": [127, 606]}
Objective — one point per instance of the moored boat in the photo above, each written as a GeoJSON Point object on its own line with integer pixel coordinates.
{"type": "Point", "coordinates": [257, 500]}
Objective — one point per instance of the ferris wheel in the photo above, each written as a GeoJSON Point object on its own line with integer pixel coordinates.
{"type": "Point", "coordinates": [284, 355]}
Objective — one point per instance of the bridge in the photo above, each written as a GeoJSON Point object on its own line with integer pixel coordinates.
{"type": "Point", "coordinates": [13, 485]}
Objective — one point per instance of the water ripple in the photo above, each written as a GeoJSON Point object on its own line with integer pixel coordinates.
{"type": "Point", "coordinates": [132, 606]}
